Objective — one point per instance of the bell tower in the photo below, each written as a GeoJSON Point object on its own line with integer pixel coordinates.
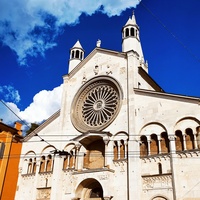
{"type": "Point", "coordinates": [76, 56]}
{"type": "Point", "coordinates": [130, 37]}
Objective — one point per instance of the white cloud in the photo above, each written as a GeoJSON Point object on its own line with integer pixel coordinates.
{"type": "Point", "coordinates": [29, 27]}
{"type": "Point", "coordinates": [44, 104]}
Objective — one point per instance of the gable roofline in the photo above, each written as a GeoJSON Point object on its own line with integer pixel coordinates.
{"type": "Point", "coordinates": [172, 96]}
{"type": "Point", "coordinates": [43, 125]}
{"type": "Point", "coordinates": [95, 50]}
{"type": "Point", "coordinates": [149, 80]}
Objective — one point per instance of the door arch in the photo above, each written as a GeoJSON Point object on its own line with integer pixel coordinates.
{"type": "Point", "coordinates": [159, 198]}
{"type": "Point", "coordinates": [89, 189]}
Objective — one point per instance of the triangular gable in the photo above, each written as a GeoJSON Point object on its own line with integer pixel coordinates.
{"type": "Point", "coordinates": [42, 126]}
{"type": "Point", "coordinates": [90, 56]}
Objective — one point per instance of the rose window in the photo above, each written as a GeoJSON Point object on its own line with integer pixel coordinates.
{"type": "Point", "coordinates": [100, 105]}
{"type": "Point", "coordinates": [96, 105]}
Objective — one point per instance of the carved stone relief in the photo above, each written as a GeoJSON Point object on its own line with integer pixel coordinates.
{"type": "Point", "coordinates": [157, 182]}
{"type": "Point", "coordinates": [44, 193]}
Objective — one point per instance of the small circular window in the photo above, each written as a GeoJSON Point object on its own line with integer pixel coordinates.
{"type": "Point", "coordinates": [96, 104]}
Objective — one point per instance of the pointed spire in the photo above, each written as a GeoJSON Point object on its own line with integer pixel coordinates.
{"type": "Point", "coordinates": [76, 55]}
{"type": "Point", "coordinates": [77, 45]}
{"type": "Point", "coordinates": [131, 20]}
{"type": "Point", "coordinates": [130, 37]}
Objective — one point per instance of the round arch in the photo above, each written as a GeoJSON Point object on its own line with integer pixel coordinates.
{"type": "Point", "coordinates": [186, 122]}
{"type": "Point", "coordinates": [152, 127]}
{"type": "Point", "coordinates": [48, 149]}
{"type": "Point", "coordinates": [159, 198]}
{"type": "Point", "coordinates": [88, 189]}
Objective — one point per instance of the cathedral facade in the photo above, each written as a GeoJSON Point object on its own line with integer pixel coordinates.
{"type": "Point", "coordinates": [117, 136]}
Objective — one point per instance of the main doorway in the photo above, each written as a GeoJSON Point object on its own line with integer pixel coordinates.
{"type": "Point", "coordinates": [89, 189]}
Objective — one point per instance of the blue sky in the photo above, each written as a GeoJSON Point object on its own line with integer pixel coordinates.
{"type": "Point", "coordinates": [36, 36]}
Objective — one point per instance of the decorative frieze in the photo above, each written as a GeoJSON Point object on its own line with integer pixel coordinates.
{"type": "Point", "coordinates": [43, 193]}
{"type": "Point", "coordinates": [153, 182]}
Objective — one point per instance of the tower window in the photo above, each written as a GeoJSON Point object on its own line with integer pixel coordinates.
{"type": "Point", "coordinates": [77, 54]}
{"type": "Point", "coordinates": [81, 56]}
{"type": "Point", "coordinates": [127, 32]}
{"type": "Point", "coordinates": [72, 54]}
{"type": "Point", "coordinates": [132, 32]}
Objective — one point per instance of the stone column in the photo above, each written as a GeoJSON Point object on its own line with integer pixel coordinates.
{"type": "Point", "coordinates": [198, 137]}
{"type": "Point", "coordinates": [74, 158]}
{"type": "Point", "coordinates": [125, 149]}
{"type": "Point", "coordinates": [118, 149]}
{"type": "Point", "coordinates": [78, 146]}
{"type": "Point", "coordinates": [68, 161]}
{"type": "Point", "coordinates": [149, 143]}
{"type": "Point", "coordinates": [195, 141]}
{"type": "Point", "coordinates": [184, 142]}
{"type": "Point", "coordinates": [56, 184]}
{"type": "Point", "coordinates": [106, 141]}
{"type": "Point", "coordinates": [172, 156]}
{"type": "Point", "coordinates": [159, 146]}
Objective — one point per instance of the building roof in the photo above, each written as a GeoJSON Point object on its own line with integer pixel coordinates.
{"type": "Point", "coordinates": [131, 20]}
{"type": "Point", "coordinates": [77, 45]}
{"type": "Point", "coordinates": [13, 131]}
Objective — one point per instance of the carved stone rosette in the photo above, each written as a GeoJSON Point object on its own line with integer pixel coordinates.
{"type": "Point", "coordinates": [96, 104]}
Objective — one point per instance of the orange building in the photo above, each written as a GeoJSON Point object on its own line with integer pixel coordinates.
{"type": "Point", "coordinates": [10, 149]}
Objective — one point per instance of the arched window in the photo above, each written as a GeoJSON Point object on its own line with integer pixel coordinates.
{"type": "Point", "coordinates": [72, 54]}
{"type": "Point", "coordinates": [189, 139]}
{"type": "Point", "coordinates": [34, 166]}
{"type": "Point", "coordinates": [122, 150]}
{"type": "Point", "coordinates": [30, 164]}
{"type": "Point", "coordinates": [132, 32]}
{"type": "Point", "coordinates": [42, 164]}
{"type": "Point", "coordinates": [71, 159]}
{"type": "Point", "coordinates": [49, 163]}
{"type": "Point", "coordinates": [115, 150]}
{"type": "Point", "coordinates": [179, 140]}
{"type": "Point", "coordinates": [154, 144]}
{"type": "Point", "coordinates": [136, 34]}
{"type": "Point", "coordinates": [77, 54]}
{"type": "Point", "coordinates": [164, 143]}
{"type": "Point", "coordinates": [65, 162]}
{"type": "Point", "coordinates": [143, 146]}
{"type": "Point", "coordinates": [81, 55]}
{"type": "Point", "coordinates": [159, 168]}
{"type": "Point", "coordinates": [198, 136]}
{"type": "Point", "coordinates": [86, 160]}
{"type": "Point", "coordinates": [126, 32]}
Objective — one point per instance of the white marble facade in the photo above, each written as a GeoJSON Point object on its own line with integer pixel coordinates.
{"type": "Point", "coordinates": [117, 136]}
